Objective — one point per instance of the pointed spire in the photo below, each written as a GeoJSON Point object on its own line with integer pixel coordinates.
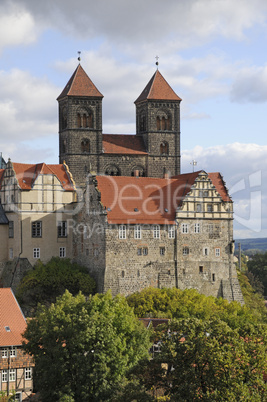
{"type": "Point", "coordinates": [80, 85]}
{"type": "Point", "coordinates": [158, 89]}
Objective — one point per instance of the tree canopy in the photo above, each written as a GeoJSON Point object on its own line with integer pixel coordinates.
{"type": "Point", "coordinates": [83, 349]}
{"type": "Point", "coordinates": [258, 267]}
{"type": "Point", "coordinates": [45, 282]}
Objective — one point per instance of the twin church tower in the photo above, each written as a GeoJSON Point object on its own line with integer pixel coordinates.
{"type": "Point", "coordinates": [153, 152]}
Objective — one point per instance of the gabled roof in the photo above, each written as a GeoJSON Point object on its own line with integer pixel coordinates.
{"type": "Point", "coordinates": [123, 144]}
{"type": "Point", "coordinates": [80, 85]}
{"type": "Point", "coordinates": [158, 89]}
{"type": "Point", "coordinates": [12, 320]}
{"type": "Point", "coordinates": [147, 200]}
{"type": "Point", "coordinates": [26, 174]}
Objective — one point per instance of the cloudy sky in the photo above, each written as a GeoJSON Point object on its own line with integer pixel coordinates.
{"type": "Point", "coordinates": [212, 53]}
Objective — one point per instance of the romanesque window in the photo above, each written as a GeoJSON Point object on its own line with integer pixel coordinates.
{"type": "Point", "coordinates": [85, 119]}
{"type": "Point", "coordinates": [185, 251]}
{"type": "Point", "coordinates": [164, 148]}
{"type": "Point", "coordinates": [122, 232]}
{"type": "Point", "coordinates": [137, 232]}
{"type": "Point", "coordinates": [112, 170]}
{"type": "Point", "coordinates": [140, 169]}
{"type": "Point", "coordinates": [163, 121]}
{"type": "Point", "coordinates": [171, 232]}
{"type": "Point", "coordinates": [156, 232]}
{"type": "Point", "coordinates": [85, 146]}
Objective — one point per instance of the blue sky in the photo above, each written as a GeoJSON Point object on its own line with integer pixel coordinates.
{"type": "Point", "coordinates": [212, 53]}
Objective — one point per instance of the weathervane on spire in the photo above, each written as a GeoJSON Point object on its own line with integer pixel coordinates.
{"type": "Point", "coordinates": [157, 62]}
{"type": "Point", "coordinates": [79, 56]}
{"type": "Point", "coordinates": [194, 163]}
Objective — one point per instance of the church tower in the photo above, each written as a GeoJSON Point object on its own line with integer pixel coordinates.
{"type": "Point", "coordinates": [158, 122]}
{"type": "Point", "coordinates": [80, 125]}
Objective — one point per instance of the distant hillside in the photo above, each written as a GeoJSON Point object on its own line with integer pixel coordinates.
{"type": "Point", "coordinates": [249, 245]}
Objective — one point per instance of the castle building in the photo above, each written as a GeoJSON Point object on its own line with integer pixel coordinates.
{"type": "Point", "coordinates": [133, 219]}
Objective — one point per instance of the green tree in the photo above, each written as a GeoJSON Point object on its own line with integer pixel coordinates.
{"type": "Point", "coordinates": [83, 349]}
{"type": "Point", "coordinates": [258, 267]}
{"type": "Point", "coordinates": [206, 360]}
{"type": "Point", "coordinates": [46, 282]}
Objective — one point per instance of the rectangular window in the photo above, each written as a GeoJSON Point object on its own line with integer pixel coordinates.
{"type": "Point", "coordinates": [11, 254]}
{"type": "Point", "coordinates": [10, 229]}
{"type": "Point", "coordinates": [18, 397]}
{"type": "Point", "coordinates": [171, 232]}
{"type": "Point", "coordinates": [209, 207]}
{"type": "Point", "coordinates": [4, 353]}
{"type": "Point", "coordinates": [12, 375]}
{"type": "Point", "coordinates": [156, 232]}
{"type": "Point", "coordinates": [185, 251]}
{"type": "Point", "coordinates": [62, 252]}
{"type": "Point", "coordinates": [201, 269]}
{"type": "Point", "coordinates": [205, 251]}
{"type": "Point", "coordinates": [13, 351]}
{"type": "Point", "coordinates": [185, 228]}
{"type": "Point", "coordinates": [199, 208]}
{"type": "Point", "coordinates": [62, 229]}
{"type": "Point", "coordinates": [197, 227]}
{"type": "Point", "coordinates": [145, 251]}
{"type": "Point", "coordinates": [36, 253]}
{"type": "Point", "coordinates": [139, 251]}
{"type": "Point", "coordinates": [28, 373]}
{"type": "Point", "coordinates": [4, 375]}
{"type": "Point", "coordinates": [217, 252]}
{"type": "Point", "coordinates": [137, 232]}
{"type": "Point", "coordinates": [210, 228]}
{"type": "Point", "coordinates": [37, 229]}
{"type": "Point", "coordinates": [162, 251]}
{"type": "Point", "coordinates": [122, 232]}
{"type": "Point", "coordinates": [213, 277]}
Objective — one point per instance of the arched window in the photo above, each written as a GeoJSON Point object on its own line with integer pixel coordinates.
{"type": "Point", "coordinates": [164, 148]}
{"type": "Point", "coordinates": [112, 170]}
{"type": "Point", "coordinates": [85, 146]}
{"type": "Point", "coordinates": [79, 120]}
{"type": "Point", "coordinates": [140, 169]}
{"type": "Point", "coordinates": [85, 119]}
{"type": "Point", "coordinates": [158, 123]}
{"type": "Point", "coordinates": [163, 121]}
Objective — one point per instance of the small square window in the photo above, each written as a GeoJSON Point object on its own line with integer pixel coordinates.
{"type": "Point", "coordinates": [162, 251]}
{"type": "Point", "coordinates": [36, 253]}
{"type": "Point", "coordinates": [62, 252]}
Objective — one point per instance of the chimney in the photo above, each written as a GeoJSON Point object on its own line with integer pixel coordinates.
{"type": "Point", "coordinates": [166, 175]}
{"type": "Point", "coordinates": [136, 173]}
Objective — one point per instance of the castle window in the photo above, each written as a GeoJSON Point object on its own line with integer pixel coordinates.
{"type": "Point", "coordinates": [85, 146]}
{"type": "Point", "coordinates": [62, 229]}
{"type": "Point", "coordinates": [36, 253]}
{"type": "Point", "coordinates": [171, 232]}
{"type": "Point", "coordinates": [213, 277]}
{"type": "Point", "coordinates": [122, 232]}
{"type": "Point", "coordinates": [217, 252]}
{"type": "Point", "coordinates": [156, 232]}
{"type": "Point", "coordinates": [139, 251]}
{"type": "Point", "coordinates": [185, 228]}
{"type": "Point", "coordinates": [205, 251]}
{"type": "Point", "coordinates": [112, 170]}
{"type": "Point", "coordinates": [164, 148]}
{"type": "Point", "coordinates": [162, 251]}
{"type": "Point", "coordinates": [185, 251]}
{"type": "Point", "coordinates": [122, 274]}
{"type": "Point", "coordinates": [197, 227]}
{"type": "Point", "coordinates": [201, 269]}
{"type": "Point", "coordinates": [145, 251]}
{"type": "Point", "coordinates": [62, 252]}
{"type": "Point", "coordinates": [37, 229]}
{"type": "Point", "coordinates": [79, 120]}
{"type": "Point", "coordinates": [137, 232]}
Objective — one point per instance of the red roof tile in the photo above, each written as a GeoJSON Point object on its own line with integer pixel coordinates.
{"type": "Point", "coordinates": [146, 200]}
{"type": "Point", "coordinates": [123, 144]}
{"type": "Point", "coordinates": [80, 85]}
{"type": "Point", "coordinates": [158, 89]}
{"type": "Point", "coordinates": [26, 174]}
{"type": "Point", "coordinates": [10, 316]}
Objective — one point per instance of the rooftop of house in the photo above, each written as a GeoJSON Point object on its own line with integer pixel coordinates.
{"type": "Point", "coordinates": [27, 174]}
{"type": "Point", "coordinates": [12, 320]}
{"type": "Point", "coordinates": [146, 200]}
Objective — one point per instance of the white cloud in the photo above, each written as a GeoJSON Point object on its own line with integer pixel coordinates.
{"type": "Point", "coordinates": [250, 85]}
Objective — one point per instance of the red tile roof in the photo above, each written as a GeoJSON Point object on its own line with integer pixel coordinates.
{"type": "Point", "coordinates": [26, 174]}
{"type": "Point", "coordinates": [218, 182]}
{"type": "Point", "coordinates": [158, 89]}
{"type": "Point", "coordinates": [10, 316]}
{"type": "Point", "coordinates": [80, 85]}
{"type": "Point", "coordinates": [146, 200]}
{"type": "Point", "coordinates": [123, 144]}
